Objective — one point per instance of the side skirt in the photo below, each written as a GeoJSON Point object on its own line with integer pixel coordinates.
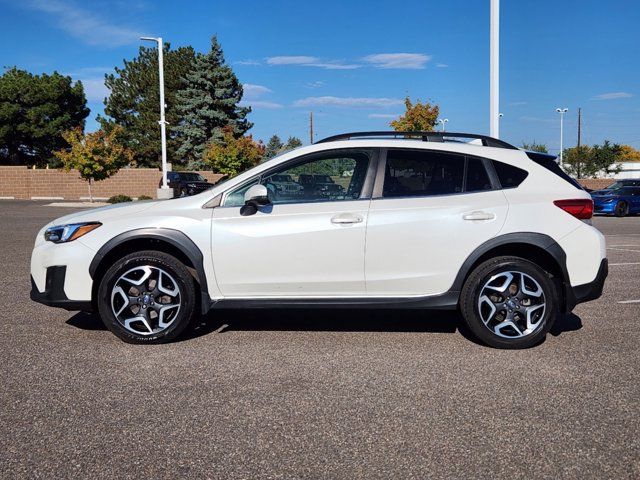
{"type": "Point", "coordinates": [446, 301]}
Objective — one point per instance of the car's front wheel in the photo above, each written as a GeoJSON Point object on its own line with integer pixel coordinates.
{"type": "Point", "coordinates": [509, 302]}
{"type": "Point", "coordinates": [147, 297]}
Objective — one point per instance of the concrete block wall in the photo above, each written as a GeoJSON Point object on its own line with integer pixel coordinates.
{"type": "Point", "coordinates": [25, 183]}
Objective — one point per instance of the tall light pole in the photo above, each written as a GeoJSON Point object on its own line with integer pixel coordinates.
{"type": "Point", "coordinates": [561, 111]}
{"type": "Point", "coordinates": [442, 121]}
{"type": "Point", "coordinates": [494, 70]}
{"type": "Point", "coordinates": [164, 191]}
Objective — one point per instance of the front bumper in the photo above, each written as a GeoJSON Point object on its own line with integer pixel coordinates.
{"type": "Point", "coordinates": [609, 207]}
{"type": "Point", "coordinates": [53, 295]}
{"type": "Point", "coordinates": [588, 291]}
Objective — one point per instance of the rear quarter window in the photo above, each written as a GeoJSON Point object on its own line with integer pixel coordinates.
{"type": "Point", "coordinates": [549, 162]}
{"type": "Point", "coordinates": [509, 176]}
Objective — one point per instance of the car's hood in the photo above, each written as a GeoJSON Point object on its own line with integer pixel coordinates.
{"type": "Point", "coordinates": [105, 213]}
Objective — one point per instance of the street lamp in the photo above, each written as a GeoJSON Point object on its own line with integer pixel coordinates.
{"type": "Point", "coordinates": [561, 111]}
{"type": "Point", "coordinates": [442, 122]}
{"type": "Point", "coordinates": [164, 191]}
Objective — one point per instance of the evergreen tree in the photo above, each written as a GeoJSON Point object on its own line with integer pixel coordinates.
{"type": "Point", "coordinates": [134, 102]}
{"type": "Point", "coordinates": [35, 110]}
{"type": "Point", "coordinates": [208, 103]}
{"type": "Point", "coordinates": [292, 142]}
{"type": "Point", "coordinates": [274, 146]}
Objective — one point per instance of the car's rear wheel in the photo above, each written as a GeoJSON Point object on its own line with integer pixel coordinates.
{"type": "Point", "coordinates": [509, 302]}
{"type": "Point", "coordinates": [622, 209]}
{"type": "Point", "coordinates": [147, 297]}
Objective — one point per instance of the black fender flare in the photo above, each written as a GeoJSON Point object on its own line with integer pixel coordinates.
{"type": "Point", "coordinates": [176, 238]}
{"type": "Point", "coordinates": [540, 240]}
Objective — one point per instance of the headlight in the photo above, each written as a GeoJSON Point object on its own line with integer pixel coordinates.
{"type": "Point", "coordinates": [68, 233]}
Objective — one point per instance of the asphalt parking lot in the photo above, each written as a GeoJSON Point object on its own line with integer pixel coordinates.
{"type": "Point", "coordinates": [303, 394]}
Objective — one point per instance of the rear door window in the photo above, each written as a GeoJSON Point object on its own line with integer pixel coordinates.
{"type": "Point", "coordinates": [412, 173]}
{"type": "Point", "coordinates": [477, 179]}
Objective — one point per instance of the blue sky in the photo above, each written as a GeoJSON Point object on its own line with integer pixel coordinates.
{"type": "Point", "coordinates": [352, 62]}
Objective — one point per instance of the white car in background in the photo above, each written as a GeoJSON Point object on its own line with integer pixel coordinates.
{"type": "Point", "coordinates": [424, 220]}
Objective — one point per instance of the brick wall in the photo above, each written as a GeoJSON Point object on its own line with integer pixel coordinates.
{"type": "Point", "coordinates": [596, 183]}
{"type": "Point", "coordinates": [26, 183]}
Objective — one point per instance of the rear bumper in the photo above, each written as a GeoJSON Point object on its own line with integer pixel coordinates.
{"type": "Point", "coordinates": [605, 207]}
{"type": "Point", "coordinates": [53, 295]}
{"type": "Point", "coordinates": [588, 291]}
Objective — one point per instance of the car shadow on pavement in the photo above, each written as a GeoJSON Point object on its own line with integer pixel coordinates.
{"type": "Point", "coordinates": [323, 320]}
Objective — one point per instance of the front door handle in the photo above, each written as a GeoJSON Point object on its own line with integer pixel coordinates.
{"type": "Point", "coordinates": [478, 215]}
{"type": "Point", "coordinates": [346, 219]}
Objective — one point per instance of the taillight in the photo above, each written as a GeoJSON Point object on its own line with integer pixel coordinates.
{"type": "Point", "coordinates": [581, 208]}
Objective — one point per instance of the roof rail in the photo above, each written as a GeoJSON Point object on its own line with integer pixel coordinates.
{"type": "Point", "coordinates": [424, 136]}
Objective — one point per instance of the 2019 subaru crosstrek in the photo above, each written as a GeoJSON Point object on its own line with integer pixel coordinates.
{"type": "Point", "coordinates": [424, 220]}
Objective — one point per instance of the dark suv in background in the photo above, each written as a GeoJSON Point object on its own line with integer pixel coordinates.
{"type": "Point", "coordinates": [186, 183]}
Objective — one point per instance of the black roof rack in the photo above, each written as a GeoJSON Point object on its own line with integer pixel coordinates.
{"type": "Point", "coordinates": [424, 136]}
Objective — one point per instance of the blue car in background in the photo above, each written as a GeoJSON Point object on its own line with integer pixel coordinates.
{"type": "Point", "coordinates": [621, 200]}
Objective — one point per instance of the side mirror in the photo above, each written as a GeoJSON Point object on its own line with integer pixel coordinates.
{"type": "Point", "coordinates": [257, 196]}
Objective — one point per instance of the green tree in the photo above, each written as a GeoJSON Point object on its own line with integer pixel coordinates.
{"type": "Point", "coordinates": [95, 156]}
{"type": "Point", "coordinates": [535, 147]}
{"type": "Point", "coordinates": [292, 142]}
{"type": "Point", "coordinates": [418, 117]}
{"type": "Point", "coordinates": [208, 102]}
{"type": "Point", "coordinates": [585, 161]}
{"type": "Point", "coordinates": [274, 146]}
{"type": "Point", "coordinates": [34, 112]}
{"type": "Point", "coordinates": [231, 155]}
{"type": "Point", "coordinates": [134, 102]}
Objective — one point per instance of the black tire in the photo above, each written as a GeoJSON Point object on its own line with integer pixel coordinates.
{"type": "Point", "coordinates": [174, 271]}
{"type": "Point", "coordinates": [479, 278]}
{"type": "Point", "coordinates": [622, 209]}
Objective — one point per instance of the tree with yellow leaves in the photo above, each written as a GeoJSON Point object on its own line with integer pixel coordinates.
{"type": "Point", "coordinates": [419, 117]}
{"type": "Point", "coordinates": [232, 154]}
{"type": "Point", "coordinates": [96, 155]}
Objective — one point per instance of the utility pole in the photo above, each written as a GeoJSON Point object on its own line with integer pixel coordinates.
{"type": "Point", "coordinates": [311, 127]}
{"type": "Point", "coordinates": [579, 135]}
{"type": "Point", "coordinates": [494, 69]}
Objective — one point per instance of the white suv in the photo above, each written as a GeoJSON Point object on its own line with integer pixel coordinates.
{"type": "Point", "coordinates": [420, 220]}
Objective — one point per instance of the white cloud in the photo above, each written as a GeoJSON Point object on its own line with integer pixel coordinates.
{"type": "Point", "coordinates": [347, 102]}
{"type": "Point", "coordinates": [517, 104]}
{"type": "Point", "coordinates": [254, 91]}
{"type": "Point", "coordinates": [412, 61]}
{"type": "Point", "coordinates": [261, 104]}
{"type": "Point", "coordinates": [309, 61]}
{"type": "Point", "coordinates": [317, 84]}
{"type": "Point", "coordinates": [442, 65]}
{"type": "Point", "coordinates": [292, 60]}
{"type": "Point", "coordinates": [94, 89]}
{"type": "Point", "coordinates": [384, 115]}
{"type": "Point", "coordinates": [613, 96]}
{"type": "Point", "coordinates": [84, 25]}
{"type": "Point", "coordinates": [246, 62]}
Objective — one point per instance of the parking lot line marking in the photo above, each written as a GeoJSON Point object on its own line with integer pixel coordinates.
{"type": "Point", "coordinates": [624, 263]}
{"type": "Point", "coordinates": [630, 301]}
{"type": "Point", "coordinates": [616, 246]}
{"type": "Point", "coordinates": [623, 249]}
{"type": "Point", "coordinates": [623, 235]}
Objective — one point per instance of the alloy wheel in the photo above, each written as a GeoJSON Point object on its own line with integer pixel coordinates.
{"type": "Point", "coordinates": [146, 300]}
{"type": "Point", "coordinates": [512, 304]}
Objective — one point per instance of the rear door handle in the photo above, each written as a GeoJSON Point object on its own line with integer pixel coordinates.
{"type": "Point", "coordinates": [479, 216]}
{"type": "Point", "coordinates": [346, 219]}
